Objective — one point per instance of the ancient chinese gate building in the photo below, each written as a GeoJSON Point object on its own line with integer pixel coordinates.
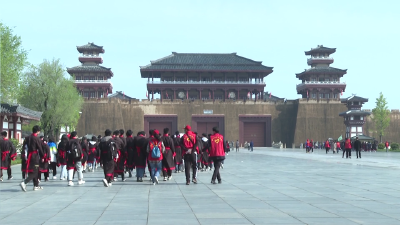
{"type": "Point", "coordinates": [321, 81]}
{"type": "Point", "coordinates": [209, 78]}
{"type": "Point", "coordinates": [205, 76]}
{"type": "Point", "coordinates": [91, 79]}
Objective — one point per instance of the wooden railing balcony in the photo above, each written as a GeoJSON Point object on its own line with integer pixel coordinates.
{"type": "Point", "coordinates": [205, 82]}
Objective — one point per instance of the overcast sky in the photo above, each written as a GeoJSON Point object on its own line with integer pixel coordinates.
{"type": "Point", "coordinates": [365, 33]}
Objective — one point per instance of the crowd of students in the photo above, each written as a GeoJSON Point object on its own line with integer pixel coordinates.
{"type": "Point", "coordinates": [117, 155]}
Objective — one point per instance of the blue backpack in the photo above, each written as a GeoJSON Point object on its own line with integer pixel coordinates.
{"type": "Point", "coordinates": [155, 152]}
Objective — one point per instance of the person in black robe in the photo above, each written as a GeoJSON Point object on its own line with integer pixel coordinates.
{"type": "Point", "coordinates": [85, 149]}
{"type": "Point", "coordinates": [130, 150]}
{"type": "Point", "coordinates": [92, 153]}
{"type": "Point", "coordinates": [140, 154]}
{"type": "Point", "coordinates": [35, 152]}
{"type": "Point", "coordinates": [178, 153]}
{"type": "Point", "coordinates": [168, 163]}
{"type": "Point", "coordinates": [44, 163]}
{"type": "Point", "coordinates": [120, 159]}
{"type": "Point", "coordinates": [105, 159]}
{"type": "Point", "coordinates": [204, 153]}
{"type": "Point", "coordinates": [62, 156]}
{"type": "Point", "coordinates": [8, 153]}
{"type": "Point", "coordinates": [124, 150]}
{"type": "Point", "coordinates": [199, 150]}
{"type": "Point", "coordinates": [74, 159]}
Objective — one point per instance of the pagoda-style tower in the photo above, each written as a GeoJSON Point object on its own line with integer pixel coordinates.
{"type": "Point", "coordinates": [91, 79]}
{"type": "Point", "coordinates": [354, 117]}
{"type": "Point", "coordinates": [205, 77]}
{"type": "Point", "coordinates": [321, 81]}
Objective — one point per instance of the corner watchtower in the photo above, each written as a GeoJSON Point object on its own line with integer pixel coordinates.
{"type": "Point", "coordinates": [91, 79]}
{"type": "Point", "coordinates": [321, 81]}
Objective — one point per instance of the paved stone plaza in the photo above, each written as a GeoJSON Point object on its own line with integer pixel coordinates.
{"type": "Point", "coordinates": [267, 186]}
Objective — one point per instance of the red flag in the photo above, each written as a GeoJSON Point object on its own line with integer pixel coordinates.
{"type": "Point", "coordinates": [147, 95]}
{"type": "Point", "coordinates": [341, 92]}
{"type": "Point", "coordinates": [270, 95]}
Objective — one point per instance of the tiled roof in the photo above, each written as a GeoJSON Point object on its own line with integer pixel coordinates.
{"type": "Point", "coordinates": [320, 49]}
{"type": "Point", "coordinates": [354, 98]}
{"type": "Point", "coordinates": [322, 70]}
{"type": "Point", "coordinates": [90, 46]}
{"type": "Point", "coordinates": [355, 112]}
{"type": "Point", "coordinates": [120, 94]}
{"type": "Point", "coordinates": [30, 114]}
{"type": "Point", "coordinates": [86, 68]}
{"type": "Point", "coordinates": [206, 62]}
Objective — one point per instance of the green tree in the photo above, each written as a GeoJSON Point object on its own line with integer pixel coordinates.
{"type": "Point", "coordinates": [12, 62]}
{"type": "Point", "coordinates": [381, 116]}
{"type": "Point", "coordinates": [45, 88]}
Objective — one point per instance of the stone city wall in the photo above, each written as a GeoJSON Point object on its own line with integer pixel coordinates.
{"type": "Point", "coordinates": [292, 122]}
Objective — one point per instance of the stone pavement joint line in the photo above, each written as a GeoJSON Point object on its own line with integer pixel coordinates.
{"type": "Point", "coordinates": [267, 186]}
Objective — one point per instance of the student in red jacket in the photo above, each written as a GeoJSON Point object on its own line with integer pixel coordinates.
{"type": "Point", "coordinates": [189, 148]}
{"type": "Point", "coordinates": [347, 146]}
{"type": "Point", "coordinates": [327, 146]}
{"type": "Point", "coordinates": [217, 153]}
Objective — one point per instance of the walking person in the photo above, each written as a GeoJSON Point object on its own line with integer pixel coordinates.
{"type": "Point", "coordinates": [8, 153]}
{"type": "Point", "coordinates": [189, 146]}
{"type": "Point", "coordinates": [107, 149]}
{"type": "Point", "coordinates": [357, 147]}
{"type": "Point", "coordinates": [327, 146]}
{"type": "Point", "coordinates": [120, 156]}
{"type": "Point", "coordinates": [53, 156]}
{"type": "Point", "coordinates": [217, 153]}
{"type": "Point", "coordinates": [251, 145]}
{"type": "Point", "coordinates": [140, 154]}
{"type": "Point", "coordinates": [130, 149]}
{"type": "Point", "coordinates": [92, 153]}
{"type": "Point", "coordinates": [178, 153]}
{"type": "Point", "coordinates": [387, 146]}
{"type": "Point", "coordinates": [205, 152]}
{"type": "Point", "coordinates": [74, 159]}
{"type": "Point", "coordinates": [155, 150]}
{"type": "Point", "coordinates": [85, 149]}
{"type": "Point", "coordinates": [44, 164]}
{"type": "Point", "coordinates": [62, 156]}
{"type": "Point", "coordinates": [168, 163]}
{"type": "Point", "coordinates": [307, 144]}
{"type": "Point", "coordinates": [35, 153]}
{"type": "Point", "coordinates": [347, 147]}
{"type": "Point", "coordinates": [237, 145]}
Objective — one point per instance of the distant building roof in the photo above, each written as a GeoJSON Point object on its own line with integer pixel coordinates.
{"type": "Point", "coordinates": [354, 98]}
{"type": "Point", "coordinates": [120, 95]}
{"type": "Point", "coordinates": [320, 49]}
{"type": "Point", "coordinates": [206, 62]}
{"type": "Point", "coordinates": [322, 70]}
{"type": "Point", "coordinates": [90, 68]}
{"type": "Point", "coordinates": [20, 111]}
{"type": "Point", "coordinates": [355, 112]}
{"type": "Point", "coordinates": [363, 138]}
{"type": "Point", "coordinates": [90, 46]}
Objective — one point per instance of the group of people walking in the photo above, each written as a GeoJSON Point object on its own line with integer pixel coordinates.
{"type": "Point", "coordinates": [336, 146]}
{"type": "Point", "coordinates": [118, 154]}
